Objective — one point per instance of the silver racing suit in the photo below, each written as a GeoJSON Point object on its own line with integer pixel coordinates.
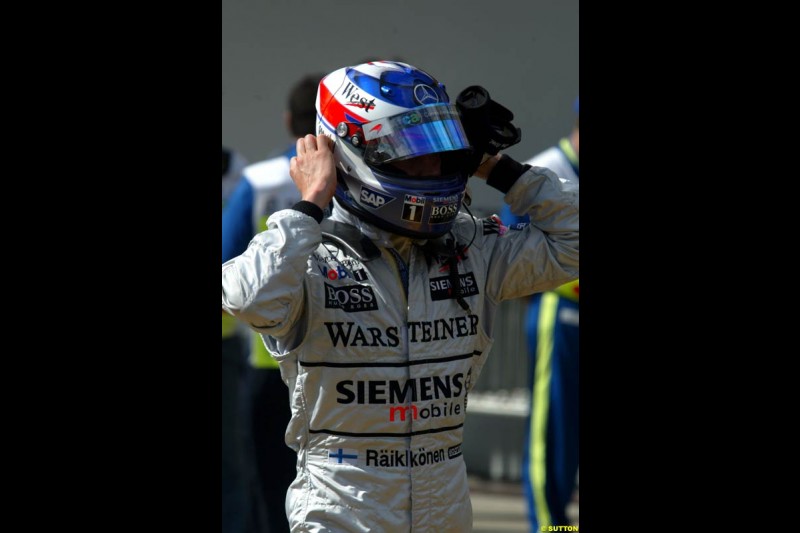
{"type": "Point", "coordinates": [379, 354]}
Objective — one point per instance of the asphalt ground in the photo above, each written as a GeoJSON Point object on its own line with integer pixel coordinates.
{"type": "Point", "coordinates": [499, 507]}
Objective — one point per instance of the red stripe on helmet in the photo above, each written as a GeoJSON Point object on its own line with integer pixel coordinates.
{"type": "Point", "coordinates": [334, 111]}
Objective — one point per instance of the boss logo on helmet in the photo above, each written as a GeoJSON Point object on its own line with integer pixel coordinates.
{"type": "Point", "coordinates": [374, 198]}
{"type": "Point", "coordinates": [443, 213]}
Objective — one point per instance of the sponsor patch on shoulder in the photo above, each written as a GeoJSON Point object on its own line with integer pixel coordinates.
{"type": "Point", "coordinates": [335, 264]}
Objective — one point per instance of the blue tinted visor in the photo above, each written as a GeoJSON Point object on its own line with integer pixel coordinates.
{"type": "Point", "coordinates": [424, 130]}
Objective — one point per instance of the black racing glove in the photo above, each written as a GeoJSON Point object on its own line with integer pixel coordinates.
{"type": "Point", "coordinates": [487, 125]}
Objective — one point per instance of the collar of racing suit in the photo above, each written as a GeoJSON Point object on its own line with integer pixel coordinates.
{"type": "Point", "coordinates": [361, 238]}
{"type": "Point", "coordinates": [444, 245]}
{"type": "Point", "coordinates": [378, 236]}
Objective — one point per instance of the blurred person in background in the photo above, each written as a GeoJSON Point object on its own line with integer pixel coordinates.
{"type": "Point", "coordinates": [234, 342]}
{"type": "Point", "coordinates": [265, 188]}
{"type": "Point", "coordinates": [550, 459]}
{"type": "Point", "coordinates": [232, 165]}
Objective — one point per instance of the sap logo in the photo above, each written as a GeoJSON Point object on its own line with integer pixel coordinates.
{"type": "Point", "coordinates": [341, 273]}
{"type": "Point", "coordinates": [350, 298]}
{"type": "Point", "coordinates": [374, 198]}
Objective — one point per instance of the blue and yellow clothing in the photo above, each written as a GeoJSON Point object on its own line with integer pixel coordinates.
{"type": "Point", "coordinates": [266, 187]}
{"type": "Point", "coordinates": [550, 460]}
{"type": "Point", "coordinates": [232, 165]}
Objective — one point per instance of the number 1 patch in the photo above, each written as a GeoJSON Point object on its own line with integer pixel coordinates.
{"type": "Point", "coordinates": [412, 208]}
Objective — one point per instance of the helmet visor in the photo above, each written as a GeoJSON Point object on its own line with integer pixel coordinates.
{"type": "Point", "coordinates": [424, 130]}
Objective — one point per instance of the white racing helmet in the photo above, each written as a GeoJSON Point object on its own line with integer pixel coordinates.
{"type": "Point", "coordinates": [382, 112]}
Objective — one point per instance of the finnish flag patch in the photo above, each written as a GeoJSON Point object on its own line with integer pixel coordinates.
{"type": "Point", "coordinates": [342, 456]}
